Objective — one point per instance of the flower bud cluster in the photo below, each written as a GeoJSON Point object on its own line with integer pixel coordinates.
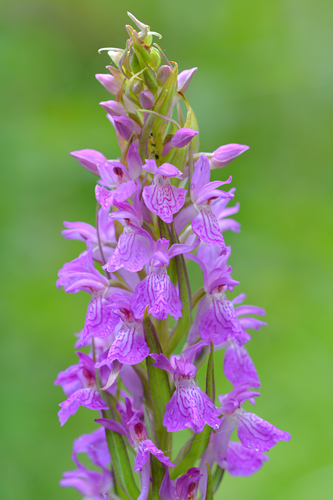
{"type": "Point", "coordinates": [145, 332]}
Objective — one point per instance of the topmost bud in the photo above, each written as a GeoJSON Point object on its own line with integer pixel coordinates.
{"type": "Point", "coordinates": [144, 34]}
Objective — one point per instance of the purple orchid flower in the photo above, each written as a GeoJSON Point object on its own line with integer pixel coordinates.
{"type": "Point", "coordinates": [135, 244]}
{"type": "Point", "coordinates": [80, 274]}
{"type": "Point", "coordinates": [203, 194]}
{"type": "Point", "coordinates": [156, 290]}
{"type": "Point", "coordinates": [79, 383]}
{"type": "Point", "coordinates": [114, 108]}
{"type": "Point", "coordinates": [161, 197]}
{"type": "Point", "coordinates": [86, 232]}
{"type": "Point", "coordinates": [129, 346]}
{"type": "Point", "coordinates": [89, 159]}
{"type": "Point", "coordinates": [95, 446]}
{"type": "Point", "coordinates": [111, 83]}
{"type": "Point", "coordinates": [189, 406]}
{"type": "Point", "coordinates": [253, 431]}
{"type": "Point", "coordinates": [185, 488]}
{"type": "Point", "coordinates": [134, 430]}
{"type": "Point", "coordinates": [92, 485]}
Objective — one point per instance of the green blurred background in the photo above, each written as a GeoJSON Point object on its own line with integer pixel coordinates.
{"type": "Point", "coordinates": [265, 79]}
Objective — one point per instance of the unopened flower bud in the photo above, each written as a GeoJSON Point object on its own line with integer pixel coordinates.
{"type": "Point", "coordinates": [225, 154]}
{"type": "Point", "coordinates": [184, 79]}
{"type": "Point", "coordinates": [150, 80]}
{"type": "Point", "coordinates": [155, 58]}
{"type": "Point", "coordinates": [137, 87]}
{"type": "Point", "coordinates": [146, 99]}
{"type": "Point", "coordinates": [163, 74]}
{"type": "Point", "coordinates": [114, 108]}
{"type": "Point", "coordinates": [109, 82]}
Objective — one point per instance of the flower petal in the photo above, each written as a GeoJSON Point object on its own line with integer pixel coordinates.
{"type": "Point", "coordinates": [256, 433]}
{"type": "Point", "coordinates": [239, 367]}
{"type": "Point", "coordinates": [241, 461]}
{"type": "Point", "coordinates": [206, 227]}
{"type": "Point", "coordinates": [164, 200]}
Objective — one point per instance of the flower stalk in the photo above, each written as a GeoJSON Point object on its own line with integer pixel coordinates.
{"type": "Point", "coordinates": [146, 333]}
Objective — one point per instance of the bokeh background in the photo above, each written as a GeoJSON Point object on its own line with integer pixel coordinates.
{"type": "Point", "coordinates": [265, 79]}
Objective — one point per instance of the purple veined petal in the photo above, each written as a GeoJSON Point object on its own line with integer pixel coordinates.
{"type": "Point", "coordinates": [79, 231]}
{"type": "Point", "coordinates": [258, 434]}
{"type": "Point", "coordinates": [184, 217]}
{"type": "Point", "coordinates": [113, 426]}
{"type": "Point", "coordinates": [162, 362]}
{"type": "Point", "coordinates": [109, 82]}
{"type": "Point", "coordinates": [88, 397]}
{"type": "Point", "coordinates": [89, 159]}
{"type": "Point", "coordinates": [159, 293]}
{"type": "Point", "coordinates": [106, 198]}
{"type": "Point", "coordinates": [100, 320]}
{"type": "Point", "coordinates": [132, 252]}
{"type": "Point", "coordinates": [225, 154]}
{"type": "Point", "coordinates": [241, 461]}
{"type": "Point", "coordinates": [219, 323]}
{"type": "Point", "coordinates": [134, 162]}
{"type": "Point", "coordinates": [95, 445]}
{"type": "Point", "coordinates": [146, 99]}
{"type": "Point", "coordinates": [190, 408]}
{"type": "Point", "coordinates": [114, 108]}
{"type": "Point", "coordinates": [200, 177]}
{"type": "Point", "coordinates": [164, 200]}
{"type": "Point", "coordinates": [184, 79]}
{"type": "Point", "coordinates": [221, 438]}
{"type": "Point", "coordinates": [125, 127]}
{"type": "Point", "coordinates": [239, 299]}
{"type": "Point", "coordinates": [144, 449]}
{"type": "Point", "coordinates": [210, 191]}
{"type": "Point", "coordinates": [129, 346]}
{"type": "Point", "coordinates": [229, 225]}
{"type": "Point", "coordinates": [206, 227]}
{"type": "Point", "coordinates": [251, 323]}
{"type": "Point", "coordinates": [245, 309]}
{"type": "Point", "coordinates": [238, 366]}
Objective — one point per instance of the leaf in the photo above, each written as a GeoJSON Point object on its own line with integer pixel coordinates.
{"type": "Point", "coordinates": [120, 460]}
{"type": "Point", "coordinates": [191, 452]}
{"type": "Point", "coordinates": [117, 447]}
{"type": "Point", "coordinates": [159, 387]}
{"type": "Point", "coordinates": [184, 322]}
{"type": "Point", "coordinates": [210, 379]}
{"type": "Point", "coordinates": [217, 477]}
{"type": "Point", "coordinates": [209, 491]}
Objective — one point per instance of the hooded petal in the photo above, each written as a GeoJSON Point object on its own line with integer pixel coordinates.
{"type": "Point", "coordinates": [89, 159]}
